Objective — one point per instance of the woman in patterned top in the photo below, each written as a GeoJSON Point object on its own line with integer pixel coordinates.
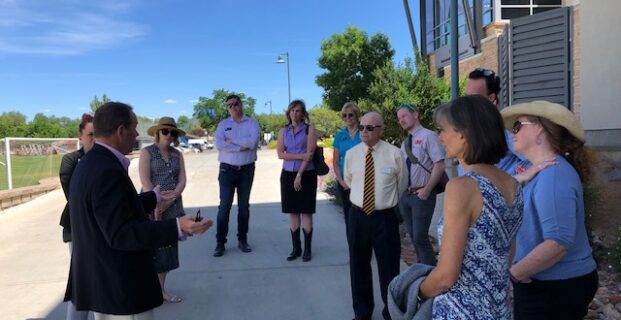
{"type": "Point", "coordinates": [482, 213]}
{"type": "Point", "coordinates": [161, 164]}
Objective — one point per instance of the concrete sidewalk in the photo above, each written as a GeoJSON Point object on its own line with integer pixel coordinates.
{"type": "Point", "coordinates": [257, 285]}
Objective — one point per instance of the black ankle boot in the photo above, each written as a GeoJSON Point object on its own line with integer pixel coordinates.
{"type": "Point", "coordinates": [297, 245]}
{"type": "Point", "coordinates": [308, 239]}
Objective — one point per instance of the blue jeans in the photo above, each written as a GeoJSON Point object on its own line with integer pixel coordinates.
{"type": "Point", "coordinates": [417, 216]}
{"type": "Point", "coordinates": [233, 178]}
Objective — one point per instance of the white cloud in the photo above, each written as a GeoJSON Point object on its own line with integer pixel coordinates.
{"type": "Point", "coordinates": [64, 27]}
{"type": "Point", "coordinates": [46, 110]}
{"type": "Point", "coordinates": [170, 101]}
{"type": "Point", "coordinates": [193, 101]}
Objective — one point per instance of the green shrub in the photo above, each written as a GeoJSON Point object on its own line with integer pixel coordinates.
{"type": "Point", "coordinates": [272, 145]}
{"type": "Point", "coordinates": [616, 252]}
{"type": "Point", "coordinates": [328, 185]}
{"type": "Point", "coordinates": [591, 198]}
{"type": "Point", "coordinates": [326, 142]}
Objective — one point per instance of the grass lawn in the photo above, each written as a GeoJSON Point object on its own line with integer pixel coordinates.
{"type": "Point", "coordinates": [28, 170]}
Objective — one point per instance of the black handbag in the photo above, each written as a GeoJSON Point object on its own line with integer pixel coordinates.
{"type": "Point", "coordinates": [320, 163]}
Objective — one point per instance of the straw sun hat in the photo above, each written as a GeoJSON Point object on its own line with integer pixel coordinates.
{"type": "Point", "coordinates": [544, 109]}
{"type": "Point", "coordinates": [165, 123]}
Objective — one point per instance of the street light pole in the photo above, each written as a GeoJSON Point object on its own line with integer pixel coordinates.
{"type": "Point", "coordinates": [270, 103]}
{"type": "Point", "coordinates": [281, 60]}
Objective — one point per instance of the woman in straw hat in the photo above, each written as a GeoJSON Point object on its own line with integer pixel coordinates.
{"type": "Point", "coordinates": [161, 164]}
{"type": "Point", "coordinates": [554, 273]}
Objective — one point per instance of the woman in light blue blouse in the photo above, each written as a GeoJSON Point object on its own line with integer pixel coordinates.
{"type": "Point", "coordinates": [344, 140]}
{"type": "Point", "coordinates": [554, 273]}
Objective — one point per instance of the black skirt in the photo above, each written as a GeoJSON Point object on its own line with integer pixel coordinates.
{"type": "Point", "coordinates": [303, 201]}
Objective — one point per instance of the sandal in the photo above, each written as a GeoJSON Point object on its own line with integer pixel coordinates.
{"type": "Point", "coordinates": [172, 298]}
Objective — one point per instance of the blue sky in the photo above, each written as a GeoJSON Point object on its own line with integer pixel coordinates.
{"type": "Point", "coordinates": [160, 56]}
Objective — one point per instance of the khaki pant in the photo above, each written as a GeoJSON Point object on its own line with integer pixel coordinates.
{"type": "Point", "coordinates": [147, 315]}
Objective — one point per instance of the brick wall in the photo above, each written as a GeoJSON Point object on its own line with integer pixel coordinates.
{"type": "Point", "coordinates": [487, 58]}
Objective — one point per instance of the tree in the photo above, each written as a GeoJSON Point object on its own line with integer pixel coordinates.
{"type": "Point", "coordinates": [271, 122]}
{"type": "Point", "coordinates": [212, 110]}
{"type": "Point", "coordinates": [96, 103]}
{"type": "Point", "coordinates": [42, 127]}
{"type": "Point", "coordinates": [13, 124]}
{"type": "Point", "coordinates": [395, 85]}
{"type": "Point", "coordinates": [326, 121]}
{"type": "Point", "coordinates": [350, 59]}
{"type": "Point", "coordinates": [183, 122]}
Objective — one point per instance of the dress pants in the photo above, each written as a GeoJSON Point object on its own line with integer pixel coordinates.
{"type": "Point", "coordinates": [375, 233]}
{"type": "Point", "coordinates": [147, 315]}
{"type": "Point", "coordinates": [72, 312]}
{"type": "Point", "coordinates": [566, 299]}
{"type": "Point", "coordinates": [230, 179]}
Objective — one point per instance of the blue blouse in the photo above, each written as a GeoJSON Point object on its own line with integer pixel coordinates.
{"type": "Point", "coordinates": [554, 210]}
{"type": "Point", "coordinates": [343, 142]}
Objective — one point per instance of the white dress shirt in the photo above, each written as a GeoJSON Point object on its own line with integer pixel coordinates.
{"type": "Point", "coordinates": [391, 175]}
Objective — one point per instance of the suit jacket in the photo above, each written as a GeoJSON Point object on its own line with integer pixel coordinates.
{"type": "Point", "coordinates": [113, 240]}
{"type": "Point", "coordinates": [68, 164]}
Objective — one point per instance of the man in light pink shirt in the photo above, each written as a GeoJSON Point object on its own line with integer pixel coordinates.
{"type": "Point", "coordinates": [112, 272]}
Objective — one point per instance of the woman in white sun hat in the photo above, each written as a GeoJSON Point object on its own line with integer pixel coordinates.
{"type": "Point", "coordinates": [554, 274]}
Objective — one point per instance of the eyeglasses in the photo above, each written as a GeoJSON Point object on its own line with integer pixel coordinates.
{"type": "Point", "coordinates": [348, 115]}
{"type": "Point", "coordinates": [369, 127]}
{"type": "Point", "coordinates": [173, 133]}
{"type": "Point", "coordinates": [234, 104]}
{"type": "Point", "coordinates": [518, 125]}
{"type": "Point", "coordinates": [485, 72]}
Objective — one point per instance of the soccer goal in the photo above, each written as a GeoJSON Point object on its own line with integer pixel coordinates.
{"type": "Point", "coordinates": [25, 161]}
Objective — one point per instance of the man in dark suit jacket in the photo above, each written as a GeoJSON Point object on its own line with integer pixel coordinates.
{"type": "Point", "coordinates": [113, 239]}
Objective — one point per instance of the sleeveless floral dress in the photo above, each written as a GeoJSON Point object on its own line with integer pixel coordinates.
{"type": "Point", "coordinates": [166, 174]}
{"type": "Point", "coordinates": [482, 290]}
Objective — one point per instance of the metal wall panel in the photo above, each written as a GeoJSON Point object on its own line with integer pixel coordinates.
{"type": "Point", "coordinates": [539, 55]}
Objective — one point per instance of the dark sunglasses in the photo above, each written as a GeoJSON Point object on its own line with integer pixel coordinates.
{"type": "Point", "coordinates": [347, 115]}
{"type": "Point", "coordinates": [369, 127]}
{"type": "Point", "coordinates": [235, 104]}
{"type": "Point", "coordinates": [173, 133]}
{"type": "Point", "coordinates": [518, 125]}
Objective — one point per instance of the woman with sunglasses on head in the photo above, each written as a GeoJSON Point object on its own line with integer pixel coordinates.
{"type": "Point", "coordinates": [161, 164]}
{"type": "Point", "coordinates": [67, 165]}
{"type": "Point", "coordinates": [298, 179]}
{"type": "Point", "coordinates": [554, 274]}
{"type": "Point", "coordinates": [344, 140]}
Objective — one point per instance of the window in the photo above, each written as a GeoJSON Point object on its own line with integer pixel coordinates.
{"type": "Point", "coordinates": [511, 9]}
{"type": "Point", "coordinates": [438, 21]}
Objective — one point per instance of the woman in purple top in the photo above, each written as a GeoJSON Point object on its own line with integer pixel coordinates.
{"type": "Point", "coordinates": [298, 180]}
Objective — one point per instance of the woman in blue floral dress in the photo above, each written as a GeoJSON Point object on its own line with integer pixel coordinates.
{"type": "Point", "coordinates": [482, 213]}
